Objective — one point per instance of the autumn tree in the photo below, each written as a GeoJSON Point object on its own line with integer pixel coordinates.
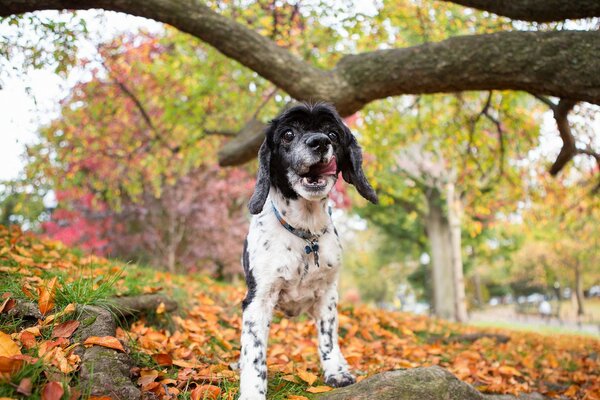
{"type": "Point", "coordinates": [543, 59]}
{"type": "Point", "coordinates": [133, 178]}
{"type": "Point", "coordinates": [562, 225]}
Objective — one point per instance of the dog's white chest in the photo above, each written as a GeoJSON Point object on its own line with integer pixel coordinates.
{"type": "Point", "coordinates": [304, 284]}
{"type": "Point", "coordinates": [280, 257]}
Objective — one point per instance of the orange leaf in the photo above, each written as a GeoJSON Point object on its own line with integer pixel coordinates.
{"type": "Point", "coordinates": [319, 389]}
{"type": "Point", "coordinates": [510, 371]}
{"type": "Point", "coordinates": [206, 392]}
{"type": "Point", "coordinates": [295, 397]}
{"type": "Point", "coordinates": [10, 364]}
{"type": "Point", "coordinates": [65, 329]}
{"type": "Point", "coordinates": [105, 341]}
{"type": "Point", "coordinates": [52, 391]}
{"type": "Point", "coordinates": [307, 377]}
{"type": "Point", "coordinates": [27, 339]}
{"type": "Point", "coordinates": [147, 376]}
{"type": "Point", "coordinates": [164, 360]}
{"type": "Point", "coordinates": [8, 347]}
{"type": "Point", "coordinates": [46, 299]}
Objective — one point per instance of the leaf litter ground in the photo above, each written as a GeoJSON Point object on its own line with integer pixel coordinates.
{"type": "Point", "coordinates": [188, 355]}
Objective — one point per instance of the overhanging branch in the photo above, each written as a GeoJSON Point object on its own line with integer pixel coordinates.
{"type": "Point", "coordinates": [562, 63]}
{"type": "Point", "coordinates": [536, 10]}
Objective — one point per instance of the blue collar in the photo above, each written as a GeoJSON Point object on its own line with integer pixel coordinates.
{"type": "Point", "coordinates": [311, 239]}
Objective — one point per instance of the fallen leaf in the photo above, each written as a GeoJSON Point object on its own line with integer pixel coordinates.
{"type": "Point", "coordinates": [27, 339]}
{"type": "Point", "coordinates": [319, 389]}
{"type": "Point", "coordinates": [52, 391]}
{"type": "Point", "coordinates": [7, 346]}
{"type": "Point", "coordinates": [7, 305]}
{"type": "Point", "coordinates": [10, 365]}
{"type": "Point", "coordinates": [307, 377]}
{"type": "Point", "coordinates": [25, 387]}
{"type": "Point", "coordinates": [206, 392]}
{"type": "Point", "coordinates": [296, 397]}
{"type": "Point", "coordinates": [164, 360]}
{"type": "Point", "coordinates": [47, 293]}
{"type": "Point", "coordinates": [105, 341]}
{"type": "Point", "coordinates": [147, 376]}
{"type": "Point", "coordinates": [161, 308]}
{"type": "Point", "coordinates": [65, 329]}
{"type": "Point", "coordinates": [508, 370]}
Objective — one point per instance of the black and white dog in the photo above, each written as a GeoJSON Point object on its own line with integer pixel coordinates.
{"type": "Point", "coordinates": [292, 253]}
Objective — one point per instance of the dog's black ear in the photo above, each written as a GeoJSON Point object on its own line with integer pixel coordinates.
{"type": "Point", "coordinates": [263, 177]}
{"type": "Point", "coordinates": [351, 167]}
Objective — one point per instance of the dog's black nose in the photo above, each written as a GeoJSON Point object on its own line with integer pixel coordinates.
{"type": "Point", "coordinates": [318, 142]}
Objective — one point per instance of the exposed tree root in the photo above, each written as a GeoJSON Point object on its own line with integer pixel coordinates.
{"type": "Point", "coordinates": [431, 383]}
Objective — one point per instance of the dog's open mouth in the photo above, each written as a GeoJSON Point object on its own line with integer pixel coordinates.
{"type": "Point", "coordinates": [316, 178]}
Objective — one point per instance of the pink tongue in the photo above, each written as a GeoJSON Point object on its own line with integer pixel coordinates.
{"type": "Point", "coordinates": [324, 169]}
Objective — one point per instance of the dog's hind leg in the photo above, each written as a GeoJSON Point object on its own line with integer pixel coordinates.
{"type": "Point", "coordinates": [335, 367]}
{"type": "Point", "coordinates": [256, 321]}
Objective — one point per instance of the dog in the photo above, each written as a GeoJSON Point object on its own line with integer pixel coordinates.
{"type": "Point", "coordinates": [292, 254]}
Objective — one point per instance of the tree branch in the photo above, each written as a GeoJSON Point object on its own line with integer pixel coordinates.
{"type": "Point", "coordinates": [561, 114]}
{"type": "Point", "coordinates": [536, 10]}
{"type": "Point", "coordinates": [561, 63]}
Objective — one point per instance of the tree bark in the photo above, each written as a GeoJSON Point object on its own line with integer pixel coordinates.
{"type": "Point", "coordinates": [537, 10]}
{"type": "Point", "coordinates": [579, 291]}
{"type": "Point", "coordinates": [454, 210]}
{"type": "Point", "coordinates": [438, 235]}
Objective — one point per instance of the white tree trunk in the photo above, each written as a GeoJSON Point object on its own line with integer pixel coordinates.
{"type": "Point", "coordinates": [455, 212]}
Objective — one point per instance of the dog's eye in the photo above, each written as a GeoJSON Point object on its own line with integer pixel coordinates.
{"type": "Point", "coordinates": [332, 135]}
{"type": "Point", "coordinates": [288, 136]}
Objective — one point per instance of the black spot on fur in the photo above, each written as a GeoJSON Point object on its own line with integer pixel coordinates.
{"type": "Point", "coordinates": [289, 248]}
{"type": "Point", "coordinates": [266, 245]}
{"type": "Point", "coordinates": [250, 281]}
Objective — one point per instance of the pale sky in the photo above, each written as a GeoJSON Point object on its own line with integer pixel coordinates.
{"type": "Point", "coordinates": [21, 113]}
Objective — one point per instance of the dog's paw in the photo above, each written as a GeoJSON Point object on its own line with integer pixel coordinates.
{"type": "Point", "coordinates": [340, 379]}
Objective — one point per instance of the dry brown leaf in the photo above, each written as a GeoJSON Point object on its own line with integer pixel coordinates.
{"type": "Point", "coordinates": [164, 360]}
{"type": "Point", "coordinates": [205, 392]}
{"type": "Point", "coordinates": [52, 391]}
{"type": "Point", "coordinates": [296, 397]}
{"type": "Point", "coordinates": [10, 365]}
{"type": "Point", "coordinates": [27, 339]}
{"type": "Point", "coordinates": [65, 329]}
{"type": "Point", "coordinates": [105, 341]}
{"type": "Point", "coordinates": [25, 387]}
{"type": "Point", "coordinates": [7, 305]}
{"type": "Point", "coordinates": [319, 389]}
{"type": "Point", "coordinates": [47, 293]}
{"type": "Point", "coordinates": [307, 377]}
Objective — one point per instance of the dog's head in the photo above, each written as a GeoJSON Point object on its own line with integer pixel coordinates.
{"type": "Point", "coordinates": [304, 149]}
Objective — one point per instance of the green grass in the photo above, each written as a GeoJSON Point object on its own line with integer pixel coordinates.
{"type": "Point", "coordinates": [279, 389]}
{"type": "Point", "coordinates": [87, 290]}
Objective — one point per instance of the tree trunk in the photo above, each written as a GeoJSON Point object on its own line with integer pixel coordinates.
{"type": "Point", "coordinates": [579, 291]}
{"type": "Point", "coordinates": [477, 285]}
{"type": "Point", "coordinates": [438, 234]}
{"type": "Point", "coordinates": [455, 211]}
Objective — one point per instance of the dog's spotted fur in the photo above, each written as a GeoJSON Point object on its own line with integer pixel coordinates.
{"type": "Point", "coordinates": [279, 273]}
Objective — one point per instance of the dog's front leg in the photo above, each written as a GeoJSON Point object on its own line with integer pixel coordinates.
{"type": "Point", "coordinates": [335, 367]}
{"type": "Point", "coordinates": [256, 320]}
